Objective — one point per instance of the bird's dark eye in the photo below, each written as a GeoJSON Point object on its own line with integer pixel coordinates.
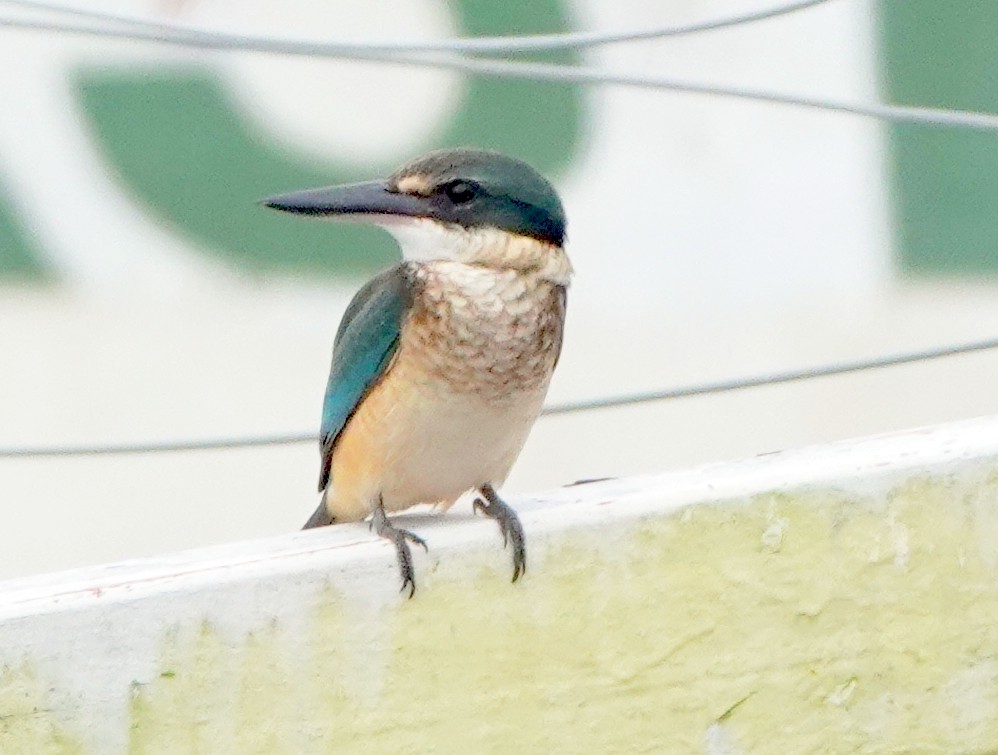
{"type": "Point", "coordinates": [460, 192]}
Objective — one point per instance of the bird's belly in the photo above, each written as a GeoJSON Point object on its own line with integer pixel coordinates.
{"type": "Point", "coordinates": [416, 439]}
{"type": "Point", "coordinates": [452, 445]}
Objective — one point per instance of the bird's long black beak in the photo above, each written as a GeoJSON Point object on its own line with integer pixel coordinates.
{"type": "Point", "coordinates": [367, 198]}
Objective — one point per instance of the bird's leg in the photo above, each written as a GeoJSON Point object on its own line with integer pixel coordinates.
{"type": "Point", "coordinates": [383, 528]}
{"type": "Point", "coordinates": [509, 524]}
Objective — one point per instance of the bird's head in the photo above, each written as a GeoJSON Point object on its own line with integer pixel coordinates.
{"type": "Point", "coordinates": [464, 205]}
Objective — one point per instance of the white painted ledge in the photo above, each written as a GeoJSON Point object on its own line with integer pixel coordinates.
{"type": "Point", "coordinates": [843, 593]}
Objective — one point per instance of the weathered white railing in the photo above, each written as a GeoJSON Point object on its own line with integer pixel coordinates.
{"type": "Point", "coordinates": [832, 599]}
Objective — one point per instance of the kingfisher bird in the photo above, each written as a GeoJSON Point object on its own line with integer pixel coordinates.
{"type": "Point", "coordinates": [441, 364]}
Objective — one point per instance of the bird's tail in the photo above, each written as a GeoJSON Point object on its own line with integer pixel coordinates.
{"type": "Point", "coordinates": [320, 517]}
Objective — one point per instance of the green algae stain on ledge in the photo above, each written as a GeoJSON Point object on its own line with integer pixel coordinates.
{"type": "Point", "coordinates": [27, 723]}
{"type": "Point", "coordinates": [783, 623]}
{"type": "Point", "coordinates": [255, 694]}
{"type": "Point", "coordinates": [185, 708]}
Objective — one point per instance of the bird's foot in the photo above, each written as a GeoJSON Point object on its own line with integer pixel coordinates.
{"type": "Point", "coordinates": [383, 528]}
{"type": "Point", "coordinates": [509, 524]}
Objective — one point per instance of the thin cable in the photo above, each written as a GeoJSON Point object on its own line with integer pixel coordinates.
{"type": "Point", "coordinates": [775, 378]}
{"type": "Point", "coordinates": [493, 45]}
{"type": "Point", "coordinates": [586, 75]}
{"type": "Point", "coordinates": [570, 407]}
{"type": "Point", "coordinates": [554, 73]}
{"type": "Point", "coordinates": [123, 449]}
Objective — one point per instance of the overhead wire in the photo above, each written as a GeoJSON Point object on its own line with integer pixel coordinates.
{"type": "Point", "coordinates": [177, 35]}
{"type": "Point", "coordinates": [569, 407]}
{"type": "Point", "coordinates": [483, 45]}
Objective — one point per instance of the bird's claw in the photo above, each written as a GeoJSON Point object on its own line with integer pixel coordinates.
{"type": "Point", "coordinates": [509, 525]}
{"type": "Point", "coordinates": [414, 538]}
{"type": "Point", "coordinates": [399, 537]}
{"type": "Point", "coordinates": [481, 506]}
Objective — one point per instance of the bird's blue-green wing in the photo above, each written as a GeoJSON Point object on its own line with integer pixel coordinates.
{"type": "Point", "coordinates": [365, 343]}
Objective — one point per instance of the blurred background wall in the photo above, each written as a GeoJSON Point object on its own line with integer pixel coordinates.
{"type": "Point", "coordinates": [144, 295]}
